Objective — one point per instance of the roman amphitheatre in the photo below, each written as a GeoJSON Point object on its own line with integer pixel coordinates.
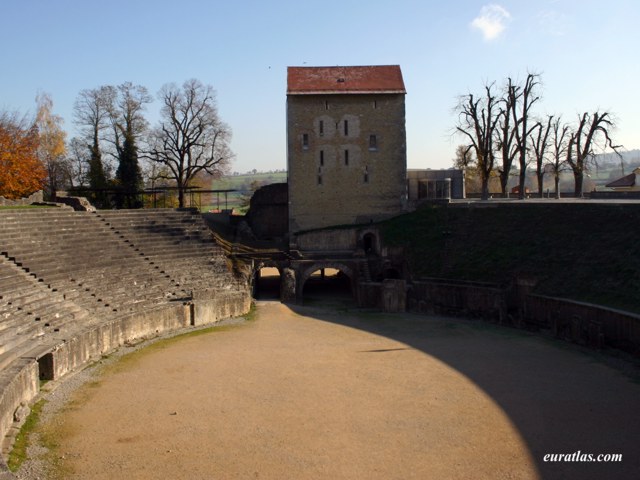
{"type": "Point", "coordinates": [358, 322]}
{"type": "Point", "coordinates": [325, 389]}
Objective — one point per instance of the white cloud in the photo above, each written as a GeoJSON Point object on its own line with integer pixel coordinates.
{"type": "Point", "coordinates": [492, 21]}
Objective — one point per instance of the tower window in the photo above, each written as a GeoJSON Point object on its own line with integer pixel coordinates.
{"type": "Point", "coordinates": [322, 158]}
{"type": "Point", "coordinates": [346, 128]}
{"type": "Point", "coordinates": [326, 105]}
{"type": "Point", "coordinates": [366, 174]}
{"type": "Point", "coordinates": [321, 128]}
{"type": "Point", "coordinates": [305, 141]}
{"type": "Point", "coordinates": [346, 157]}
{"type": "Point", "coordinates": [373, 142]}
{"type": "Point", "coordinates": [375, 104]}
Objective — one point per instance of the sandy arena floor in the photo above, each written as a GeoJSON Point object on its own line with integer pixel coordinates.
{"type": "Point", "coordinates": [311, 393]}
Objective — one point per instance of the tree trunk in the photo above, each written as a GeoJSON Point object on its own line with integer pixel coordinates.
{"type": "Point", "coordinates": [180, 196]}
{"type": "Point", "coordinates": [557, 182]}
{"type": "Point", "coordinates": [578, 179]}
{"type": "Point", "coordinates": [540, 176]}
{"type": "Point", "coordinates": [485, 188]}
{"type": "Point", "coordinates": [504, 183]}
{"type": "Point", "coordinates": [523, 176]}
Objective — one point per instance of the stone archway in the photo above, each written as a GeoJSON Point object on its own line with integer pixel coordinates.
{"type": "Point", "coordinates": [267, 282]}
{"type": "Point", "coordinates": [330, 278]}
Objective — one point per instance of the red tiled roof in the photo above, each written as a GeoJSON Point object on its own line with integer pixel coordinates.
{"type": "Point", "coordinates": [329, 80]}
{"type": "Point", "coordinates": [626, 181]}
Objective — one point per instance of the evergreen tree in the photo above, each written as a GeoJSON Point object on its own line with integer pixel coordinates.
{"type": "Point", "coordinates": [128, 174]}
{"type": "Point", "coordinates": [126, 112]}
{"type": "Point", "coordinates": [97, 177]}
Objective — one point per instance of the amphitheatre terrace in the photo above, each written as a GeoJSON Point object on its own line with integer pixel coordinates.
{"type": "Point", "coordinates": [76, 286]}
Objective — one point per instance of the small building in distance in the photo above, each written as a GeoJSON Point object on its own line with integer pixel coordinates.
{"type": "Point", "coordinates": [425, 185]}
{"type": "Point", "coordinates": [346, 145]}
{"type": "Point", "coordinates": [628, 183]}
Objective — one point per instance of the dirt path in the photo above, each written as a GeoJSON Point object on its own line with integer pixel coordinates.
{"type": "Point", "coordinates": [348, 397]}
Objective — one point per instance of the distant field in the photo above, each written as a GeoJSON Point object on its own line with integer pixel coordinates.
{"type": "Point", "coordinates": [243, 186]}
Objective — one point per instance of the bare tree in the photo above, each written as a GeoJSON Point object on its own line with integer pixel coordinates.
{"type": "Point", "coordinates": [464, 160]}
{"type": "Point", "coordinates": [190, 137]}
{"type": "Point", "coordinates": [464, 157]}
{"type": "Point", "coordinates": [77, 163]}
{"type": "Point", "coordinates": [540, 145]}
{"type": "Point", "coordinates": [126, 113]}
{"type": "Point", "coordinates": [561, 133]}
{"type": "Point", "coordinates": [592, 132]}
{"type": "Point", "coordinates": [477, 121]}
{"type": "Point", "coordinates": [51, 143]}
{"type": "Point", "coordinates": [91, 114]}
{"type": "Point", "coordinates": [523, 97]}
{"type": "Point", "coordinates": [505, 134]}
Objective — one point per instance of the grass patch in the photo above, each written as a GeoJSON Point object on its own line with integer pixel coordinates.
{"type": "Point", "coordinates": [23, 207]}
{"type": "Point", "coordinates": [251, 315]}
{"type": "Point", "coordinates": [19, 452]}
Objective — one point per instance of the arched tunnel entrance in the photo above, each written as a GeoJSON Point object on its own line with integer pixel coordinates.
{"type": "Point", "coordinates": [328, 284]}
{"type": "Point", "coordinates": [266, 283]}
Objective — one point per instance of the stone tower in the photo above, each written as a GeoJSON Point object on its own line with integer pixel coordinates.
{"type": "Point", "coordinates": [346, 145]}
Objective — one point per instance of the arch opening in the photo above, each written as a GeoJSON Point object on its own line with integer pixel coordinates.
{"type": "Point", "coordinates": [266, 283]}
{"type": "Point", "coordinates": [369, 243]}
{"type": "Point", "coordinates": [328, 284]}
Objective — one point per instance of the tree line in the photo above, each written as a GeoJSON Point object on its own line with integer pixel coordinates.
{"type": "Point", "coordinates": [503, 132]}
{"type": "Point", "coordinates": [116, 147]}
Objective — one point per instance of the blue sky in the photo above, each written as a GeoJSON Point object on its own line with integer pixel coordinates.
{"type": "Point", "coordinates": [586, 51]}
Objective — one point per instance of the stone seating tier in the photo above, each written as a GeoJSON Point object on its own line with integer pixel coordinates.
{"type": "Point", "coordinates": [74, 285]}
{"type": "Point", "coordinates": [97, 266]}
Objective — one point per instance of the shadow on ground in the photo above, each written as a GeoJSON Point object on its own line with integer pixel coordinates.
{"type": "Point", "coordinates": [560, 398]}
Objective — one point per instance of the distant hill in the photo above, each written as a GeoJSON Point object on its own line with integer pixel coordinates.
{"type": "Point", "coordinates": [630, 159]}
{"type": "Point", "coordinates": [242, 182]}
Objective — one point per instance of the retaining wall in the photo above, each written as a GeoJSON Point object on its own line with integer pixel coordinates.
{"type": "Point", "coordinates": [458, 298]}
{"type": "Point", "coordinates": [22, 386]}
{"type": "Point", "coordinates": [584, 323]}
{"type": "Point", "coordinates": [578, 322]}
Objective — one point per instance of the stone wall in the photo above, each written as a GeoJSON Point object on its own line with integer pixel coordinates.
{"type": "Point", "coordinates": [584, 323]}
{"type": "Point", "coordinates": [442, 297]}
{"type": "Point", "coordinates": [578, 322]}
{"type": "Point", "coordinates": [23, 387]}
{"type": "Point", "coordinates": [328, 240]}
{"type": "Point", "coordinates": [36, 197]}
{"type": "Point", "coordinates": [337, 176]}
{"type": "Point", "coordinates": [79, 204]}
{"type": "Point", "coordinates": [268, 211]}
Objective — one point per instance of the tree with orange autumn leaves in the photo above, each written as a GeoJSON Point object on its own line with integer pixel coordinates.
{"type": "Point", "coordinates": [21, 172]}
